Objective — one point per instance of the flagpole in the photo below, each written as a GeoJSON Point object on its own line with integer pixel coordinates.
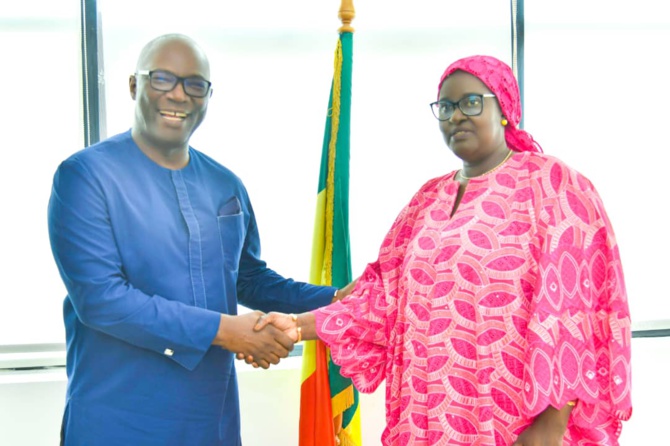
{"type": "Point", "coordinates": [346, 15]}
{"type": "Point", "coordinates": [329, 404]}
{"type": "Point", "coordinates": [346, 427]}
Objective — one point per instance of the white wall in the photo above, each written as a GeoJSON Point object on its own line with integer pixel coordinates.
{"type": "Point", "coordinates": [31, 403]}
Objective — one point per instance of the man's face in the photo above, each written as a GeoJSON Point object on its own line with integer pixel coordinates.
{"type": "Point", "coordinates": [165, 120]}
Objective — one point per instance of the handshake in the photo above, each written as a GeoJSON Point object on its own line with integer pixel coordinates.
{"type": "Point", "coordinates": [262, 339]}
{"type": "Point", "coordinates": [271, 338]}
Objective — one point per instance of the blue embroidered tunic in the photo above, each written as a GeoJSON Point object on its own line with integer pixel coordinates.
{"type": "Point", "coordinates": [150, 258]}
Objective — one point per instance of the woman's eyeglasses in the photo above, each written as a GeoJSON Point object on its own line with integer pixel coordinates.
{"type": "Point", "coordinates": [470, 105]}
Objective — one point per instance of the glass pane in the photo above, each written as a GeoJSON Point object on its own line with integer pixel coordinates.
{"type": "Point", "coordinates": [42, 123]}
{"type": "Point", "coordinates": [587, 63]}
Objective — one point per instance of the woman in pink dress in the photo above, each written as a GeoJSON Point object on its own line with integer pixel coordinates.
{"type": "Point", "coordinates": [496, 310]}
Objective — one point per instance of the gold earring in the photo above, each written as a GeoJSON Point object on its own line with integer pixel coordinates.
{"type": "Point", "coordinates": [503, 122]}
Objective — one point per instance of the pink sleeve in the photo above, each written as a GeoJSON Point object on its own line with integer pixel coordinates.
{"type": "Point", "coordinates": [359, 328]}
{"type": "Point", "coordinates": [355, 330]}
{"type": "Point", "coordinates": [579, 332]}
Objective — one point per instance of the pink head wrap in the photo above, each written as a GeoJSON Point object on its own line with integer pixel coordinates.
{"type": "Point", "coordinates": [499, 78]}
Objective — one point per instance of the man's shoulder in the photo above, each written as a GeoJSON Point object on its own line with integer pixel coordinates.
{"type": "Point", "coordinates": [212, 165]}
{"type": "Point", "coordinates": [101, 149]}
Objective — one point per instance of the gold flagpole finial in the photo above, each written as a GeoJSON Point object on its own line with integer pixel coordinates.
{"type": "Point", "coordinates": [346, 15]}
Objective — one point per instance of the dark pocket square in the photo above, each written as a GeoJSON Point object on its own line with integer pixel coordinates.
{"type": "Point", "coordinates": [230, 207]}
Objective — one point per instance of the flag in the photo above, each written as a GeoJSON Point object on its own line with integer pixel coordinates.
{"type": "Point", "coordinates": [329, 402]}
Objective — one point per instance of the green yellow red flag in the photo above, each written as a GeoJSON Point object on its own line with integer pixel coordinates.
{"type": "Point", "coordinates": [329, 405]}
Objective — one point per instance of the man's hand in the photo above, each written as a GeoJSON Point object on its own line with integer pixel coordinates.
{"type": "Point", "coordinates": [236, 333]}
{"type": "Point", "coordinates": [345, 290]}
{"type": "Point", "coordinates": [547, 429]}
{"type": "Point", "coordinates": [279, 321]}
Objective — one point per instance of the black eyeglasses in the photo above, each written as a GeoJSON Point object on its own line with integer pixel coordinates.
{"type": "Point", "coordinates": [162, 80]}
{"type": "Point", "coordinates": [470, 105]}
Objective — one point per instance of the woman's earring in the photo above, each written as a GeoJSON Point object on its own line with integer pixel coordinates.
{"type": "Point", "coordinates": [503, 122]}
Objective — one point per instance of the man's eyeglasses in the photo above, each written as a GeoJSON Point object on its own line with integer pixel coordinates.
{"type": "Point", "coordinates": [162, 80]}
{"type": "Point", "coordinates": [470, 105]}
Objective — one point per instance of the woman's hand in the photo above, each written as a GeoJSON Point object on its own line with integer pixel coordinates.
{"type": "Point", "coordinates": [345, 290]}
{"type": "Point", "coordinates": [284, 322]}
{"type": "Point", "coordinates": [237, 334]}
{"type": "Point", "coordinates": [547, 429]}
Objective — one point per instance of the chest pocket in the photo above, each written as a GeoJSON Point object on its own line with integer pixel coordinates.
{"type": "Point", "coordinates": [231, 234]}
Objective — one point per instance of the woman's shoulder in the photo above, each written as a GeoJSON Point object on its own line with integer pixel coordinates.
{"type": "Point", "coordinates": [538, 161]}
{"type": "Point", "coordinates": [554, 172]}
{"type": "Point", "coordinates": [431, 190]}
{"type": "Point", "coordinates": [436, 183]}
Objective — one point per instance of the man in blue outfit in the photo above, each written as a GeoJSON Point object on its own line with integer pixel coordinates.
{"type": "Point", "coordinates": [157, 244]}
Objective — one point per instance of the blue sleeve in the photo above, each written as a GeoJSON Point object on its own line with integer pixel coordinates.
{"type": "Point", "coordinates": [90, 264]}
{"type": "Point", "coordinates": [261, 288]}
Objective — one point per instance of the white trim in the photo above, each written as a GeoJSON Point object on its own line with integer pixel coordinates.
{"type": "Point", "coordinates": [662, 324]}
{"type": "Point", "coordinates": [28, 356]}
{"type": "Point", "coordinates": [32, 355]}
{"type": "Point", "coordinates": [32, 376]}
{"type": "Point", "coordinates": [16, 358]}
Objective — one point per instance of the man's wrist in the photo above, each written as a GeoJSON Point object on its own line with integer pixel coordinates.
{"type": "Point", "coordinates": [222, 337]}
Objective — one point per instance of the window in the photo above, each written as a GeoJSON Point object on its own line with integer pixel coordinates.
{"type": "Point", "coordinates": [259, 51]}
{"type": "Point", "coordinates": [264, 50]}
{"type": "Point", "coordinates": [597, 97]}
{"type": "Point", "coordinates": [42, 124]}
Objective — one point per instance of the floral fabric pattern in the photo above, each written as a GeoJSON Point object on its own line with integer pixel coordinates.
{"type": "Point", "coordinates": [480, 320]}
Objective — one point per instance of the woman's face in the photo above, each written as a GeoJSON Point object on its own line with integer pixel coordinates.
{"type": "Point", "coordinates": [472, 138]}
